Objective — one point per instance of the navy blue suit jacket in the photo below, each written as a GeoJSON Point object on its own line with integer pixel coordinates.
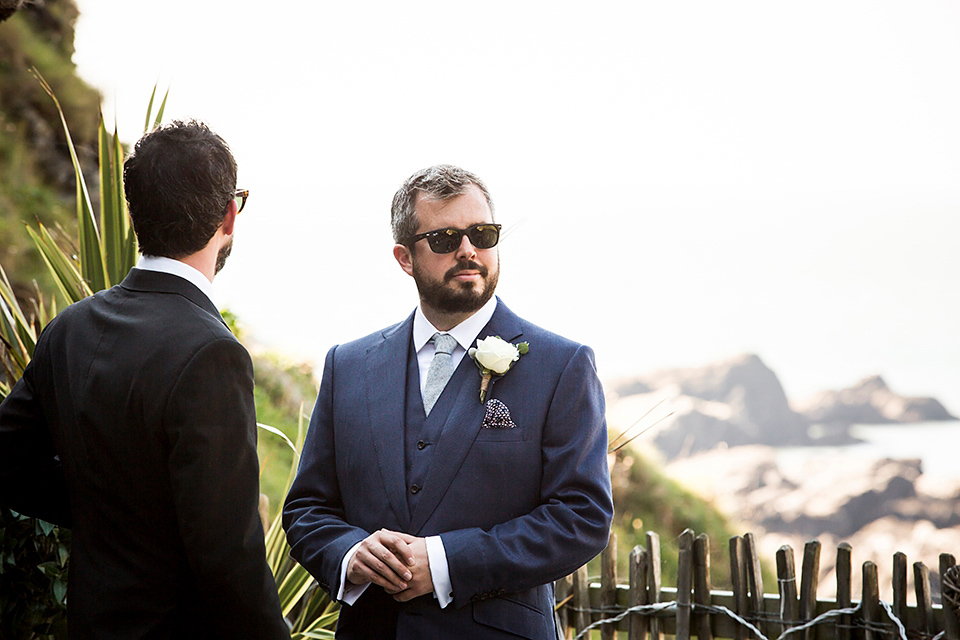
{"type": "Point", "coordinates": [516, 508]}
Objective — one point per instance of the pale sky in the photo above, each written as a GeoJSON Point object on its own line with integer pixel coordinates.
{"type": "Point", "coordinates": [680, 181]}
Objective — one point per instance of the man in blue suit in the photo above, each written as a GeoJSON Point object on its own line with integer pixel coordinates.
{"type": "Point", "coordinates": [430, 508]}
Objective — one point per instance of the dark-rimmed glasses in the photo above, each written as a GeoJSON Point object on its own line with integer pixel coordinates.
{"type": "Point", "coordinates": [485, 235]}
{"type": "Point", "coordinates": [240, 197]}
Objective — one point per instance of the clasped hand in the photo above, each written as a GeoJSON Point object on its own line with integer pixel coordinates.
{"type": "Point", "coordinates": [395, 561]}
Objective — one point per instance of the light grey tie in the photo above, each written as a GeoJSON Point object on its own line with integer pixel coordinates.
{"type": "Point", "coordinates": [441, 368]}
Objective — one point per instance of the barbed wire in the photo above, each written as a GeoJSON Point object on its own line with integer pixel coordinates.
{"type": "Point", "coordinates": [662, 609]}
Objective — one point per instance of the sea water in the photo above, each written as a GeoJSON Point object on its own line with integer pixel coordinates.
{"type": "Point", "coordinates": [936, 444]}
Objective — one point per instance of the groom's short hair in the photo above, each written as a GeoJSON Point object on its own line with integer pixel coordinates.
{"type": "Point", "coordinates": [441, 182]}
{"type": "Point", "coordinates": [178, 183]}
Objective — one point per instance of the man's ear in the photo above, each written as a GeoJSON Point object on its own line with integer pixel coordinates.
{"type": "Point", "coordinates": [229, 219]}
{"type": "Point", "coordinates": [404, 257]}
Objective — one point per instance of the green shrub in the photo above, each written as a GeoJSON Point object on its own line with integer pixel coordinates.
{"type": "Point", "coordinates": [34, 556]}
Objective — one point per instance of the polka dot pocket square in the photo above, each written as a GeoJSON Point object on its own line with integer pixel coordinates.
{"type": "Point", "coordinates": [497, 416]}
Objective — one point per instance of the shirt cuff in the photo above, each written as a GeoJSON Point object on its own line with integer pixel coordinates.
{"type": "Point", "coordinates": [349, 592]}
{"type": "Point", "coordinates": [439, 571]}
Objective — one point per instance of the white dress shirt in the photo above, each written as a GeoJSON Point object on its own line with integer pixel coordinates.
{"type": "Point", "coordinates": [177, 268]}
{"type": "Point", "coordinates": [466, 334]}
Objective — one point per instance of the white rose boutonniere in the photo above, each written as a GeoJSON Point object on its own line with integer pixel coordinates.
{"type": "Point", "coordinates": [494, 357]}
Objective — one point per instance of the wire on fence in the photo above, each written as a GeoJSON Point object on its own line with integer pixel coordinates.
{"type": "Point", "coordinates": [661, 608]}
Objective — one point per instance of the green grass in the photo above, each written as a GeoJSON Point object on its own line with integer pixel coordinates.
{"type": "Point", "coordinates": [282, 390]}
{"type": "Point", "coordinates": [645, 499]}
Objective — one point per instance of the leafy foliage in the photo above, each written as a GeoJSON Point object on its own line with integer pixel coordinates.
{"type": "Point", "coordinates": [33, 577]}
{"type": "Point", "coordinates": [311, 611]}
{"type": "Point", "coordinates": [36, 178]}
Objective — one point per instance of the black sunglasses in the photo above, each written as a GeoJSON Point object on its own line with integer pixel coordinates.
{"type": "Point", "coordinates": [240, 196]}
{"type": "Point", "coordinates": [485, 235]}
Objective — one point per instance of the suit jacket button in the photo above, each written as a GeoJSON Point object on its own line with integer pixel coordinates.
{"type": "Point", "coordinates": [421, 445]}
{"type": "Point", "coordinates": [415, 489]}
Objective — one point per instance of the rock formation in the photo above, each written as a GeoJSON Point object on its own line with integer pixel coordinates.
{"type": "Point", "coordinates": [737, 401]}
{"type": "Point", "coordinates": [880, 506]}
{"type": "Point", "coordinates": [870, 401]}
{"type": "Point", "coordinates": [740, 401]}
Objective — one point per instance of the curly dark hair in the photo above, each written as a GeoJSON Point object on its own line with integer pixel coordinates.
{"type": "Point", "coordinates": [441, 181]}
{"type": "Point", "coordinates": [178, 182]}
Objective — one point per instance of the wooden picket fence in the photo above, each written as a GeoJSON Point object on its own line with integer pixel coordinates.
{"type": "Point", "coordinates": [645, 610]}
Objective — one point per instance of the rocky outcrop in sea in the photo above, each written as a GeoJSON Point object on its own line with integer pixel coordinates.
{"type": "Point", "coordinates": [739, 401]}
{"type": "Point", "coordinates": [870, 401]}
{"type": "Point", "coordinates": [878, 506]}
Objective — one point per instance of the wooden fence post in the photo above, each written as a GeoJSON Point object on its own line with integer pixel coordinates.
{"type": "Point", "coordinates": [575, 611]}
{"type": "Point", "coordinates": [701, 584]}
{"type": "Point", "coordinates": [787, 577]}
{"type": "Point", "coordinates": [608, 587]}
{"type": "Point", "coordinates": [870, 600]}
{"type": "Point", "coordinates": [581, 599]}
{"type": "Point", "coordinates": [900, 586]}
{"type": "Point", "coordinates": [739, 581]}
{"type": "Point", "coordinates": [951, 626]}
{"type": "Point", "coordinates": [653, 587]}
{"type": "Point", "coordinates": [684, 584]}
{"type": "Point", "coordinates": [755, 582]}
{"type": "Point", "coordinates": [639, 571]}
{"type": "Point", "coordinates": [844, 588]}
{"type": "Point", "coordinates": [809, 581]}
{"type": "Point", "coordinates": [564, 591]}
{"type": "Point", "coordinates": [921, 586]}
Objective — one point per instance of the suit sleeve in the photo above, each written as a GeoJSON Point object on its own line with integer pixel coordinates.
{"type": "Point", "coordinates": [210, 421]}
{"type": "Point", "coordinates": [31, 476]}
{"type": "Point", "coordinates": [572, 523]}
{"type": "Point", "coordinates": [313, 514]}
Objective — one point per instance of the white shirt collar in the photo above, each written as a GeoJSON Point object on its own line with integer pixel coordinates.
{"type": "Point", "coordinates": [177, 268]}
{"type": "Point", "coordinates": [465, 333]}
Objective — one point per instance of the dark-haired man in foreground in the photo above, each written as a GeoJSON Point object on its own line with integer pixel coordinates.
{"type": "Point", "coordinates": [432, 508]}
{"type": "Point", "coordinates": [134, 424]}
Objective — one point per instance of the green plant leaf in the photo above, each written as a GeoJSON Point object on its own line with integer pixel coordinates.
{"type": "Point", "coordinates": [278, 433]}
{"type": "Point", "coordinates": [159, 117]}
{"type": "Point", "coordinates": [92, 266]}
{"type": "Point", "coordinates": [113, 214]}
{"type": "Point", "coordinates": [59, 590]}
{"type": "Point", "coordinates": [64, 270]}
{"type": "Point", "coordinates": [163, 107]}
{"type": "Point", "coordinates": [295, 584]}
{"type": "Point", "coordinates": [146, 122]}
{"type": "Point", "coordinates": [16, 333]}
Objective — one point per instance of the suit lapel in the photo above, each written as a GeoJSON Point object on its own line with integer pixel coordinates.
{"type": "Point", "coordinates": [386, 388]}
{"type": "Point", "coordinates": [463, 423]}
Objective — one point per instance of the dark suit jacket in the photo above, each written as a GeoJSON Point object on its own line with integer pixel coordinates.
{"type": "Point", "coordinates": [147, 398]}
{"type": "Point", "coordinates": [516, 508]}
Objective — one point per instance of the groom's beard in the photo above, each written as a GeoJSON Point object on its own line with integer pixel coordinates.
{"type": "Point", "coordinates": [451, 297]}
{"type": "Point", "coordinates": [222, 256]}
